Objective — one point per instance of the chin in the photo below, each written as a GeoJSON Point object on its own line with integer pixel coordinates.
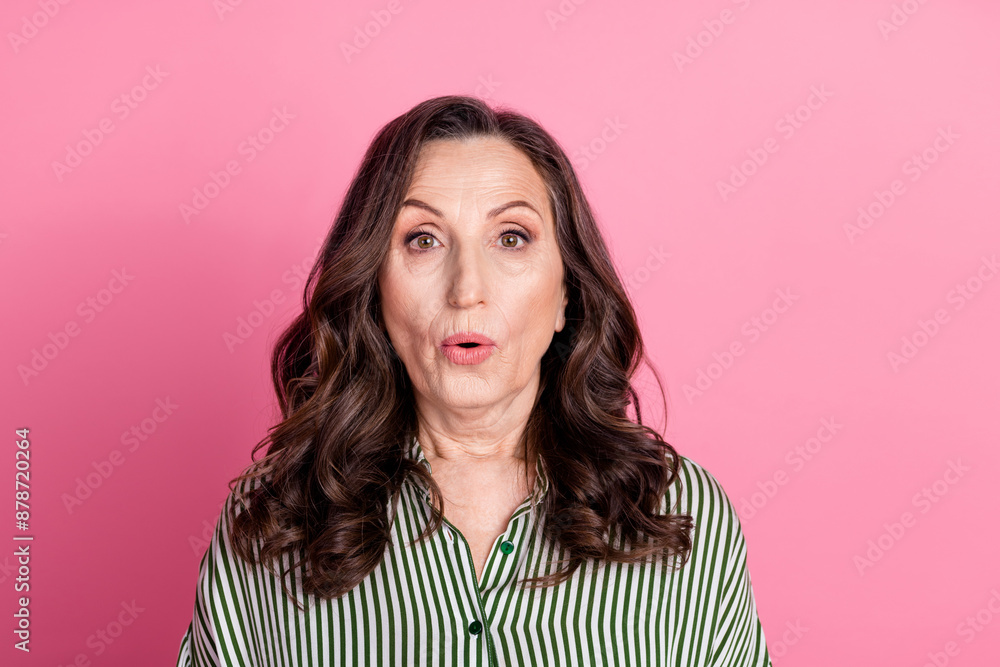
{"type": "Point", "coordinates": [467, 394]}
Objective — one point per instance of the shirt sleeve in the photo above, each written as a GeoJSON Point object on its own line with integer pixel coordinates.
{"type": "Point", "coordinates": [735, 631]}
{"type": "Point", "coordinates": [184, 656]}
{"type": "Point", "coordinates": [221, 624]}
{"type": "Point", "coordinates": [739, 635]}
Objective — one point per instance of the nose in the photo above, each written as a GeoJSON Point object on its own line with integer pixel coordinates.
{"type": "Point", "coordinates": [468, 284]}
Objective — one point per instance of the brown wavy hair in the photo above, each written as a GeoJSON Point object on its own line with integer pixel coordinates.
{"type": "Point", "coordinates": [336, 462]}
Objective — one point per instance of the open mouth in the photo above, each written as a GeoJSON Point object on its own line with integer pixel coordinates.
{"type": "Point", "coordinates": [467, 348]}
{"type": "Point", "coordinates": [467, 340]}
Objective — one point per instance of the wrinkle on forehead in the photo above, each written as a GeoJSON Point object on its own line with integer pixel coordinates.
{"type": "Point", "coordinates": [472, 184]}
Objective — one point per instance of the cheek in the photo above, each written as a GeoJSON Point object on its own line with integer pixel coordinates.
{"type": "Point", "coordinates": [394, 300]}
{"type": "Point", "coordinates": [533, 317]}
{"type": "Point", "coordinates": [544, 300]}
{"type": "Point", "coordinates": [406, 315]}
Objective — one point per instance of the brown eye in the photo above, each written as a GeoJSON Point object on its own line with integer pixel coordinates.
{"type": "Point", "coordinates": [425, 241]}
{"type": "Point", "coordinates": [510, 237]}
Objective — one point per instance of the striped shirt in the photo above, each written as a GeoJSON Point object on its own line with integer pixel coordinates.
{"type": "Point", "coordinates": [423, 604]}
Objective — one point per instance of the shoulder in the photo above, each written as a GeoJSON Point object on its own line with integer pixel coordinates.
{"type": "Point", "coordinates": [243, 488]}
{"type": "Point", "coordinates": [697, 492]}
{"type": "Point", "coordinates": [716, 570]}
{"type": "Point", "coordinates": [227, 603]}
{"type": "Point", "coordinates": [237, 500]}
{"type": "Point", "coordinates": [696, 483]}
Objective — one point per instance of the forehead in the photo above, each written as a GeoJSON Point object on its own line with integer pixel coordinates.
{"type": "Point", "coordinates": [487, 164]}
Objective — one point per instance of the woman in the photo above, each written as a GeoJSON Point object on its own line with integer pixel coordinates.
{"type": "Point", "coordinates": [456, 480]}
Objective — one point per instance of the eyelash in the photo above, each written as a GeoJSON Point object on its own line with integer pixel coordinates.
{"type": "Point", "coordinates": [514, 232]}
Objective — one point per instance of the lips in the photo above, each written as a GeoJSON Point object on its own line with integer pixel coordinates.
{"type": "Point", "coordinates": [467, 340]}
{"type": "Point", "coordinates": [467, 349]}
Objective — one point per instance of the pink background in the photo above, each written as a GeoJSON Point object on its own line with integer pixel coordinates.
{"type": "Point", "coordinates": [662, 133]}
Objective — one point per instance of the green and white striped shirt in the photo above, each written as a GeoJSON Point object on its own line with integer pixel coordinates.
{"type": "Point", "coordinates": [423, 604]}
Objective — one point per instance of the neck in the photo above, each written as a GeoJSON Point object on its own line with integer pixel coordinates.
{"type": "Point", "coordinates": [486, 436]}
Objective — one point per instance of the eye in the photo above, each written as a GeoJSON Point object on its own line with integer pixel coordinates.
{"type": "Point", "coordinates": [509, 234]}
{"type": "Point", "coordinates": [422, 237]}
{"type": "Point", "coordinates": [508, 239]}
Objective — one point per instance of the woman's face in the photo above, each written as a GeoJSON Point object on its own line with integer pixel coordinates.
{"type": "Point", "coordinates": [473, 250]}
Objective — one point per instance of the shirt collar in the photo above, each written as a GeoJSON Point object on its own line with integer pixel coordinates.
{"type": "Point", "coordinates": [416, 453]}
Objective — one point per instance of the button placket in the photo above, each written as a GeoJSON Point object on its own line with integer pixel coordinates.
{"type": "Point", "coordinates": [474, 627]}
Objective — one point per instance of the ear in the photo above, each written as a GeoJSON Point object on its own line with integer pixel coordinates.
{"type": "Point", "coordinates": [379, 315]}
{"type": "Point", "coordinates": [380, 321]}
{"type": "Point", "coordinates": [561, 315]}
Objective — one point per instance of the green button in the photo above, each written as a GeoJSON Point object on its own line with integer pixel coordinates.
{"type": "Point", "coordinates": [506, 546]}
{"type": "Point", "coordinates": [475, 627]}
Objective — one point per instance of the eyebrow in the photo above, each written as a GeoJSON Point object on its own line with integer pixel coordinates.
{"type": "Point", "coordinates": [492, 214]}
